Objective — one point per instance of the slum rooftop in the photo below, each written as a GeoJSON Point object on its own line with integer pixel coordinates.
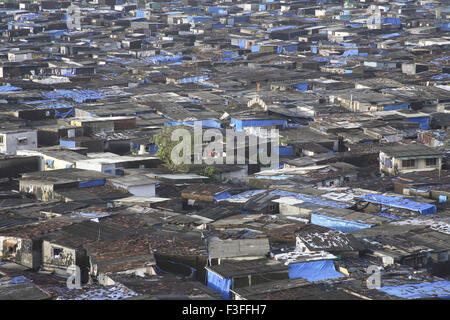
{"type": "Point", "coordinates": [358, 91]}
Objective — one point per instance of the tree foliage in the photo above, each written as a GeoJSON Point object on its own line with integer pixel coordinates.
{"type": "Point", "coordinates": [211, 172]}
{"type": "Point", "coordinates": [165, 146]}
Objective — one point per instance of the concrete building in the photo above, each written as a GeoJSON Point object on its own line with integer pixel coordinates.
{"type": "Point", "coordinates": [402, 159]}
{"type": "Point", "coordinates": [20, 139]}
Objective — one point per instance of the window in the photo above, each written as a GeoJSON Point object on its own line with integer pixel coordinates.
{"type": "Point", "coordinates": [408, 163]}
{"type": "Point", "coordinates": [57, 253]}
{"type": "Point", "coordinates": [1, 139]}
{"type": "Point", "coordinates": [431, 162]}
{"type": "Point", "coordinates": [22, 141]}
{"type": "Point", "coordinates": [9, 247]}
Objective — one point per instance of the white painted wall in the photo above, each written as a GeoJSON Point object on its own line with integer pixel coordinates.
{"type": "Point", "coordinates": [12, 141]}
{"type": "Point", "coordinates": [96, 166]}
{"type": "Point", "coordinates": [143, 191]}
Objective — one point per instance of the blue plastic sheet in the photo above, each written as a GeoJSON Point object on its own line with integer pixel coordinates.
{"type": "Point", "coordinates": [63, 115]}
{"type": "Point", "coordinates": [441, 76]}
{"type": "Point", "coordinates": [282, 28]}
{"type": "Point", "coordinates": [192, 79]}
{"type": "Point", "coordinates": [399, 202]}
{"type": "Point", "coordinates": [222, 285]}
{"type": "Point", "coordinates": [422, 121]}
{"type": "Point", "coordinates": [352, 52]}
{"type": "Point", "coordinates": [67, 143]}
{"type": "Point", "coordinates": [337, 224]}
{"type": "Point", "coordinates": [49, 163]}
{"type": "Point", "coordinates": [221, 196]}
{"type": "Point", "coordinates": [240, 124]}
{"type": "Point", "coordinates": [396, 107]}
{"type": "Point", "coordinates": [19, 279]}
{"type": "Point", "coordinates": [308, 198]}
{"type": "Point", "coordinates": [439, 289]}
{"type": "Point", "coordinates": [285, 150]}
{"type": "Point", "coordinates": [388, 215]}
{"type": "Point", "coordinates": [164, 59]}
{"type": "Point", "coordinates": [314, 270]}
{"type": "Point", "coordinates": [246, 195]}
{"type": "Point", "coordinates": [301, 86]}
{"type": "Point", "coordinates": [73, 95]}
{"type": "Point", "coordinates": [204, 123]}
{"type": "Point", "coordinates": [390, 35]}
{"type": "Point", "coordinates": [393, 21]}
{"type": "Point", "coordinates": [9, 88]}
{"type": "Point", "coordinates": [198, 19]}
{"type": "Point", "coordinates": [92, 183]}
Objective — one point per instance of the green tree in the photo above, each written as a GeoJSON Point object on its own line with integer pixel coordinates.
{"type": "Point", "coordinates": [211, 172]}
{"type": "Point", "coordinates": [165, 146]}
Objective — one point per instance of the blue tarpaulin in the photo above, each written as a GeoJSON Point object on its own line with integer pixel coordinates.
{"type": "Point", "coordinates": [321, 59]}
{"type": "Point", "coordinates": [301, 86]}
{"type": "Point", "coordinates": [277, 177]}
{"type": "Point", "coordinates": [198, 19]}
{"type": "Point", "coordinates": [204, 123]}
{"type": "Point", "coordinates": [19, 279]}
{"type": "Point", "coordinates": [314, 270]}
{"type": "Point", "coordinates": [388, 215]}
{"type": "Point", "coordinates": [63, 115]}
{"type": "Point", "coordinates": [399, 202]}
{"type": "Point", "coordinates": [351, 52]}
{"type": "Point", "coordinates": [282, 28]}
{"type": "Point", "coordinates": [390, 35]}
{"type": "Point", "coordinates": [222, 285]}
{"type": "Point", "coordinates": [218, 10]}
{"type": "Point", "coordinates": [49, 163]}
{"type": "Point", "coordinates": [355, 25]}
{"type": "Point", "coordinates": [439, 289]}
{"type": "Point", "coordinates": [67, 143]}
{"type": "Point", "coordinates": [443, 76]}
{"type": "Point", "coordinates": [348, 44]}
{"type": "Point", "coordinates": [164, 59]}
{"type": "Point", "coordinates": [92, 183]}
{"type": "Point", "coordinates": [222, 196]}
{"type": "Point", "coordinates": [193, 79]}
{"type": "Point", "coordinates": [396, 107]}
{"type": "Point", "coordinates": [338, 224]}
{"type": "Point", "coordinates": [9, 88]}
{"type": "Point", "coordinates": [444, 25]}
{"type": "Point", "coordinates": [285, 150]}
{"type": "Point", "coordinates": [393, 21]}
{"type": "Point", "coordinates": [241, 124]}
{"type": "Point", "coordinates": [422, 121]}
{"type": "Point", "coordinates": [90, 215]}
{"type": "Point", "coordinates": [246, 195]}
{"type": "Point", "coordinates": [78, 96]}
{"type": "Point", "coordinates": [308, 198]}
